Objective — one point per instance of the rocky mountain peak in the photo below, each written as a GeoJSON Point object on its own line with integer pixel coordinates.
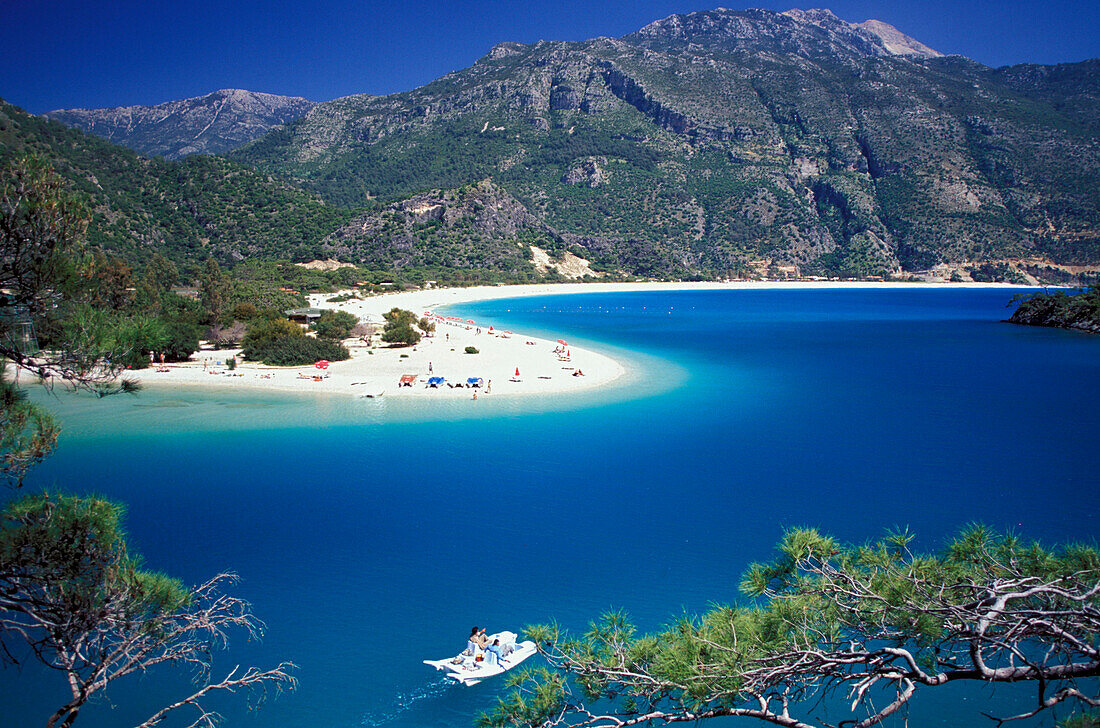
{"type": "Point", "coordinates": [211, 124]}
{"type": "Point", "coordinates": [809, 33]}
{"type": "Point", "coordinates": [504, 50]}
{"type": "Point", "coordinates": [897, 42]}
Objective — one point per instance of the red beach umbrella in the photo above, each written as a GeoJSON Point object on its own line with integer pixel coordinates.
{"type": "Point", "coordinates": [322, 364]}
{"type": "Point", "coordinates": [517, 371]}
{"type": "Point", "coordinates": [469, 321]}
{"type": "Point", "coordinates": [562, 342]}
{"type": "Point", "coordinates": [490, 328]}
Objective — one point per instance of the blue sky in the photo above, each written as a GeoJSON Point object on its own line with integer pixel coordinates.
{"type": "Point", "coordinates": [80, 53]}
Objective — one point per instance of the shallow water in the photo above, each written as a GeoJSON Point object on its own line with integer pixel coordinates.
{"type": "Point", "coordinates": [370, 534]}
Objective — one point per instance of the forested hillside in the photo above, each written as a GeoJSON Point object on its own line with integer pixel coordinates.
{"type": "Point", "coordinates": [709, 140]}
{"type": "Point", "coordinates": [190, 210]}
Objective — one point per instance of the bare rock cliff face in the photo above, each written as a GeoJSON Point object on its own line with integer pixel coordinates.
{"type": "Point", "coordinates": [211, 124]}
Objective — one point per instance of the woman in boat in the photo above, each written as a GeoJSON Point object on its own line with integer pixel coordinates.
{"type": "Point", "coordinates": [478, 639]}
{"type": "Point", "coordinates": [497, 650]}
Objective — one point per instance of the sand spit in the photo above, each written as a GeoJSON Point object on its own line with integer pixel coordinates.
{"type": "Point", "coordinates": [543, 367]}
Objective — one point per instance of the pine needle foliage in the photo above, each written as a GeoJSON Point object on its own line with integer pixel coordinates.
{"type": "Point", "coordinates": [870, 625]}
{"type": "Point", "coordinates": [71, 592]}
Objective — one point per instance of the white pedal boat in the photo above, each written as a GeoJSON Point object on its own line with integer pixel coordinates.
{"type": "Point", "coordinates": [470, 669]}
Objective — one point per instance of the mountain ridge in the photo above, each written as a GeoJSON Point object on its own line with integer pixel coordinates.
{"type": "Point", "coordinates": [722, 137]}
{"type": "Point", "coordinates": [711, 143]}
{"type": "Point", "coordinates": [210, 124]}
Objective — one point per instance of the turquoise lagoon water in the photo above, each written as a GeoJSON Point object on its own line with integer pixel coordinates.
{"type": "Point", "coordinates": [371, 534]}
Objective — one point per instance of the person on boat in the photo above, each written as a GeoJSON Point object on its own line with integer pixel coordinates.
{"type": "Point", "coordinates": [497, 650]}
{"type": "Point", "coordinates": [478, 639]}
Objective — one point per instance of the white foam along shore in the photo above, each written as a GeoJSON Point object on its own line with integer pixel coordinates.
{"type": "Point", "coordinates": [543, 368]}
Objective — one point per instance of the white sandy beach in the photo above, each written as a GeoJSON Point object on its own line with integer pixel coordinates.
{"type": "Point", "coordinates": [373, 371]}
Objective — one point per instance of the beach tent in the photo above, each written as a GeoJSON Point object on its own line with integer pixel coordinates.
{"type": "Point", "coordinates": [434, 382]}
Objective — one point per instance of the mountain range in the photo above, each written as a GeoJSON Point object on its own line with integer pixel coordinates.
{"type": "Point", "coordinates": [210, 124]}
{"type": "Point", "coordinates": [702, 144]}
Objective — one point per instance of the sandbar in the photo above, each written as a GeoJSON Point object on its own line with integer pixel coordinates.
{"type": "Point", "coordinates": [545, 367]}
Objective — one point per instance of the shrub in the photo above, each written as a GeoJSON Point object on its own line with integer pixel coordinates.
{"type": "Point", "coordinates": [335, 325]}
{"type": "Point", "coordinates": [264, 332]}
{"type": "Point", "coordinates": [182, 340]}
{"type": "Point", "coordinates": [471, 350]}
{"type": "Point", "coordinates": [401, 335]}
{"type": "Point", "coordinates": [245, 311]}
{"type": "Point", "coordinates": [140, 337]}
{"type": "Point", "coordinates": [299, 350]}
{"type": "Point", "coordinates": [399, 327]}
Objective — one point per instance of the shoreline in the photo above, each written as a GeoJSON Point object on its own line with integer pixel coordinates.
{"type": "Point", "coordinates": [375, 372]}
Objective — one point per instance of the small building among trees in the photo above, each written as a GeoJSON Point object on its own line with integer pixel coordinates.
{"type": "Point", "coordinates": [304, 316]}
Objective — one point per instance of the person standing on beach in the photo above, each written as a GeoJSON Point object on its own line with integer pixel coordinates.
{"type": "Point", "coordinates": [429, 367]}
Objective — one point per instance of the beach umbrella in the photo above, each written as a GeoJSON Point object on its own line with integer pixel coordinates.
{"type": "Point", "coordinates": [562, 342]}
{"type": "Point", "coordinates": [469, 321]}
{"type": "Point", "coordinates": [507, 332]}
{"type": "Point", "coordinates": [322, 364]}
{"type": "Point", "coordinates": [490, 328]}
{"type": "Point", "coordinates": [517, 371]}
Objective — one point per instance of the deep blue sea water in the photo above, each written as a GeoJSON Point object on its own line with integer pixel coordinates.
{"type": "Point", "coordinates": [371, 534]}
